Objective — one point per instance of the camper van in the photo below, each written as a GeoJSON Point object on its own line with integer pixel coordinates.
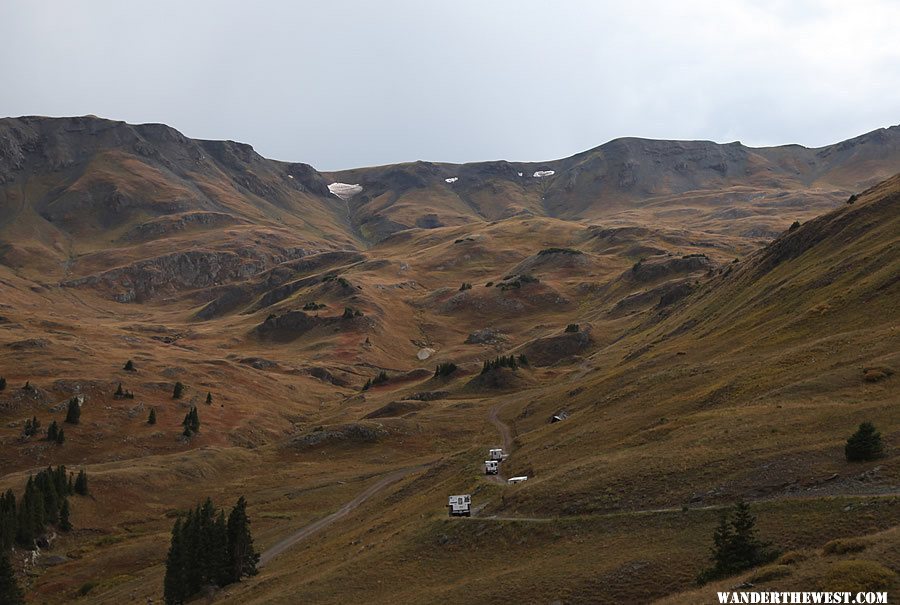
{"type": "Point", "coordinates": [496, 454]}
{"type": "Point", "coordinates": [512, 480]}
{"type": "Point", "coordinates": [460, 506]}
{"type": "Point", "coordinates": [491, 467]}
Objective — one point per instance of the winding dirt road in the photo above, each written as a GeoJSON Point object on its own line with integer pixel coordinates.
{"type": "Point", "coordinates": [308, 530]}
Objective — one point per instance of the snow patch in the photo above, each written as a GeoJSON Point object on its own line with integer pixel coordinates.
{"type": "Point", "coordinates": [520, 174]}
{"type": "Point", "coordinates": [542, 173]}
{"type": "Point", "coordinates": [290, 176]}
{"type": "Point", "coordinates": [424, 353]}
{"type": "Point", "coordinates": [452, 179]}
{"type": "Point", "coordinates": [344, 191]}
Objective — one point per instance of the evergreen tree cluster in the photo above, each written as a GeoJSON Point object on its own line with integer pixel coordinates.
{"type": "Point", "coordinates": [736, 546]}
{"type": "Point", "coordinates": [350, 313]}
{"type": "Point", "coordinates": [380, 379]}
{"type": "Point", "coordinates": [122, 393]}
{"type": "Point", "coordinates": [56, 433]}
{"type": "Point", "coordinates": [465, 286]}
{"type": "Point", "coordinates": [44, 502]}
{"type": "Point", "coordinates": [10, 593]}
{"type": "Point", "coordinates": [572, 328]}
{"type": "Point", "coordinates": [444, 369]}
{"type": "Point", "coordinates": [191, 422]}
{"type": "Point", "coordinates": [503, 361]}
{"type": "Point", "coordinates": [73, 411]}
{"type": "Point", "coordinates": [31, 427]}
{"type": "Point", "coordinates": [865, 444]}
{"type": "Point", "coordinates": [208, 550]}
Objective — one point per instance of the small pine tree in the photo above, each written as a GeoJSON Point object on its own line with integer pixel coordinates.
{"type": "Point", "coordinates": [523, 361]}
{"type": "Point", "coordinates": [348, 313]}
{"type": "Point", "coordinates": [129, 366]}
{"type": "Point", "coordinates": [736, 546]}
{"type": "Point", "coordinates": [120, 392]}
{"type": "Point", "coordinates": [64, 523]}
{"type": "Point", "coordinates": [27, 386]}
{"type": "Point", "coordinates": [2, 383]}
{"type": "Point", "coordinates": [81, 483]}
{"type": "Point", "coordinates": [173, 584]}
{"type": "Point", "coordinates": [178, 391]}
{"type": "Point", "coordinates": [10, 592]}
{"type": "Point", "coordinates": [242, 558]}
{"type": "Point", "coordinates": [191, 422]}
{"type": "Point", "coordinates": [61, 436]}
{"type": "Point", "coordinates": [52, 431]}
{"type": "Point", "coordinates": [794, 226]}
{"type": "Point", "coordinates": [865, 444]}
{"type": "Point", "coordinates": [73, 412]}
{"type": "Point", "coordinates": [208, 398]}
{"type": "Point", "coordinates": [7, 520]}
{"type": "Point", "coordinates": [151, 419]}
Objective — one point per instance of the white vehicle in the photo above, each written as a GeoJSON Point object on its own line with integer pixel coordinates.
{"type": "Point", "coordinates": [497, 454]}
{"type": "Point", "coordinates": [517, 480]}
{"type": "Point", "coordinates": [460, 506]}
{"type": "Point", "coordinates": [491, 467]}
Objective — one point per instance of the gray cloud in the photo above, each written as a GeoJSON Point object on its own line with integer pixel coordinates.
{"type": "Point", "coordinates": [344, 84]}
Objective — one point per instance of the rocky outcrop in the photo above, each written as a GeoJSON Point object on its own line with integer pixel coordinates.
{"type": "Point", "coordinates": [168, 225]}
{"type": "Point", "coordinates": [165, 275]}
{"type": "Point", "coordinates": [560, 347]}
{"type": "Point", "coordinates": [654, 269]}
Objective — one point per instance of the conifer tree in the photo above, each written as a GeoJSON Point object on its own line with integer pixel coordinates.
{"type": "Point", "coordinates": [242, 559]}
{"type": "Point", "coordinates": [64, 523]}
{"type": "Point", "coordinates": [61, 437]}
{"type": "Point", "coordinates": [152, 418]}
{"type": "Point", "coordinates": [191, 422]}
{"type": "Point", "coordinates": [173, 584]}
{"type": "Point", "coordinates": [864, 444]}
{"type": "Point", "coordinates": [120, 392]}
{"type": "Point", "coordinates": [208, 398]}
{"type": "Point", "coordinates": [736, 546]}
{"type": "Point", "coordinates": [10, 593]}
{"type": "Point", "coordinates": [7, 520]}
{"type": "Point", "coordinates": [81, 483]}
{"type": "Point", "coordinates": [2, 383]}
{"type": "Point", "coordinates": [178, 391]}
{"type": "Point", "coordinates": [129, 366]}
{"type": "Point", "coordinates": [73, 412]}
{"type": "Point", "coordinates": [52, 431]}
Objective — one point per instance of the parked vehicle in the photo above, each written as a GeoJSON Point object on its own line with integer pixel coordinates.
{"type": "Point", "coordinates": [517, 480]}
{"type": "Point", "coordinates": [497, 454]}
{"type": "Point", "coordinates": [491, 467]}
{"type": "Point", "coordinates": [460, 506]}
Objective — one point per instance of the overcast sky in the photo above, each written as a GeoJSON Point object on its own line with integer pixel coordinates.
{"type": "Point", "coordinates": [342, 84]}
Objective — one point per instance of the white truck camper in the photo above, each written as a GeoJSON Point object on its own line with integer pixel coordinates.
{"type": "Point", "coordinates": [497, 454]}
{"type": "Point", "coordinates": [491, 467]}
{"type": "Point", "coordinates": [460, 506]}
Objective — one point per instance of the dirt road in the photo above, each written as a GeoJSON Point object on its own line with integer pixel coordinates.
{"type": "Point", "coordinates": [305, 532]}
